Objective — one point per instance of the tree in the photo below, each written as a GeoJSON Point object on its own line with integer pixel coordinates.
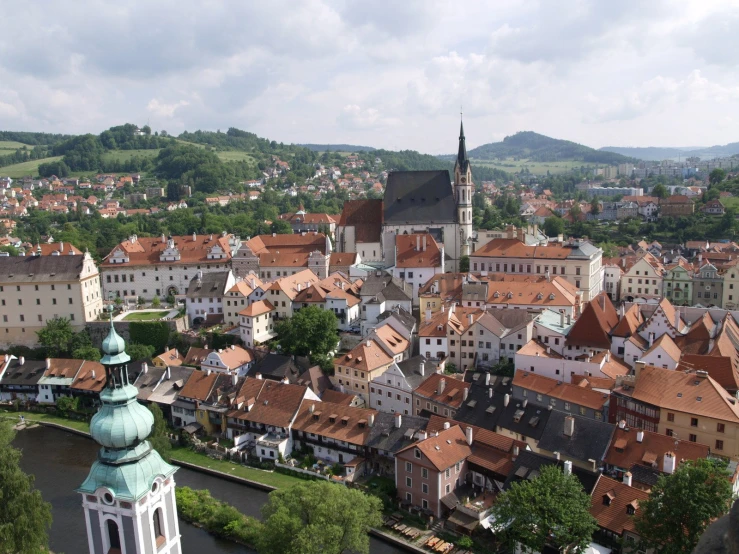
{"type": "Point", "coordinates": [682, 505]}
{"type": "Point", "coordinates": [610, 250]}
{"type": "Point", "coordinates": [56, 336]}
{"type": "Point", "coordinates": [660, 191]}
{"type": "Point", "coordinates": [550, 510]}
{"type": "Point", "coordinates": [716, 176]}
{"type": "Point", "coordinates": [87, 353]}
{"type": "Point", "coordinates": [464, 264]}
{"type": "Point", "coordinates": [10, 249]}
{"type": "Point", "coordinates": [310, 331]}
{"type": "Point", "coordinates": [155, 302]}
{"type": "Point", "coordinates": [24, 518]}
{"type": "Point", "coordinates": [318, 517]}
{"type": "Point", "coordinates": [139, 352]}
{"type": "Point", "coordinates": [159, 437]}
{"type": "Point", "coordinates": [554, 226]}
{"type": "Point", "coordinates": [595, 206]}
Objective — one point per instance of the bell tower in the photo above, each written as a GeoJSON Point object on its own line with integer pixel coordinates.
{"type": "Point", "coordinates": [128, 497]}
{"type": "Point", "coordinates": [463, 191]}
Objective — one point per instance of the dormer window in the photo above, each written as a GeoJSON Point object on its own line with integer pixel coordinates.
{"type": "Point", "coordinates": [417, 453]}
{"type": "Point", "coordinates": [631, 507]}
{"type": "Point", "coordinates": [608, 498]}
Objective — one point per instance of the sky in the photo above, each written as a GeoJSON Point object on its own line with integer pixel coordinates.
{"type": "Point", "coordinates": [388, 74]}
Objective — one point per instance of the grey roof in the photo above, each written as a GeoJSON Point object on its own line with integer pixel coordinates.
{"type": "Point", "coordinates": [384, 435]}
{"type": "Point", "coordinates": [29, 269]}
{"type": "Point", "coordinates": [645, 475]}
{"type": "Point", "coordinates": [277, 367]}
{"type": "Point", "coordinates": [423, 197]}
{"type": "Point", "coordinates": [511, 318]}
{"type": "Point", "coordinates": [211, 284]}
{"type": "Point", "coordinates": [582, 249]}
{"type": "Point", "coordinates": [529, 464]}
{"type": "Point", "coordinates": [411, 368]}
{"type": "Point", "coordinates": [315, 379]}
{"type": "Point", "coordinates": [156, 386]}
{"type": "Point", "coordinates": [404, 317]}
{"type": "Point", "coordinates": [590, 440]}
{"type": "Point", "coordinates": [27, 374]}
{"type": "Point", "coordinates": [385, 287]}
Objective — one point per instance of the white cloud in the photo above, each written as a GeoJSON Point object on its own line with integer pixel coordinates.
{"type": "Point", "coordinates": [165, 110]}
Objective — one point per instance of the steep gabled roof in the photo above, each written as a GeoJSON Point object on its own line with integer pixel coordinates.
{"type": "Point", "coordinates": [444, 450]}
{"type": "Point", "coordinates": [593, 327]}
{"type": "Point", "coordinates": [613, 514]}
{"type": "Point", "coordinates": [419, 197]}
{"type": "Point", "coordinates": [629, 323]}
{"type": "Point", "coordinates": [366, 216]}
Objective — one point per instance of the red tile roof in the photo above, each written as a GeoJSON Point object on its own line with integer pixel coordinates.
{"type": "Point", "coordinates": [444, 450]}
{"type": "Point", "coordinates": [410, 251]}
{"type": "Point", "coordinates": [366, 216]}
{"type": "Point", "coordinates": [613, 515]}
{"type": "Point", "coordinates": [147, 250]}
{"type": "Point", "coordinates": [592, 328]}
{"type": "Point", "coordinates": [626, 450]}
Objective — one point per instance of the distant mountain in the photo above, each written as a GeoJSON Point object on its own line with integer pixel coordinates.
{"type": "Point", "coordinates": [337, 147]}
{"type": "Point", "coordinates": [655, 153]}
{"type": "Point", "coordinates": [535, 147]}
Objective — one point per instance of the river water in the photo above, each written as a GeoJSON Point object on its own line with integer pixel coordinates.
{"type": "Point", "coordinates": [60, 462]}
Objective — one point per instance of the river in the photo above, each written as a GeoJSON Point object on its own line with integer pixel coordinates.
{"type": "Point", "coordinates": [60, 462]}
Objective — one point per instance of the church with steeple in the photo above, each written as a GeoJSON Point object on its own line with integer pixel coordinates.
{"type": "Point", "coordinates": [129, 495]}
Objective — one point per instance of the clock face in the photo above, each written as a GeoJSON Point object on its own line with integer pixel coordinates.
{"type": "Point", "coordinates": [464, 180]}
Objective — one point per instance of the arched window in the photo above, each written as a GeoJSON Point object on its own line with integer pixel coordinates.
{"type": "Point", "coordinates": [158, 529]}
{"type": "Point", "coordinates": [114, 537]}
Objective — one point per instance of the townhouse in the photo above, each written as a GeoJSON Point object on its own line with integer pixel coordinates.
{"type": "Point", "coordinates": [580, 440]}
{"type": "Point", "coordinates": [256, 323]}
{"type": "Point", "coordinates": [643, 279]}
{"type": "Point", "coordinates": [392, 391]}
{"type": "Point", "coordinates": [440, 394]}
{"type": "Point", "coordinates": [578, 261]}
{"type": "Point", "coordinates": [238, 297]}
{"type": "Point", "coordinates": [335, 293]}
{"type": "Point", "coordinates": [204, 296]}
{"type": "Point", "coordinates": [418, 257]}
{"type": "Point", "coordinates": [498, 334]}
{"type": "Point", "coordinates": [560, 396]}
{"type": "Point", "coordinates": [161, 386]}
{"type": "Point", "coordinates": [542, 360]}
{"type": "Point", "coordinates": [708, 286]}
{"type": "Point", "coordinates": [274, 256]}
{"type": "Point", "coordinates": [355, 370]}
{"type": "Point", "coordinates": [232, 360]}
{"type": "Point", "coordinates": [35, 289]}
{"type": "Point", "coordinates": [282, 292]}
{"type": "Point", "coordinates": [19, 378]}
{"type": "Point", "coordinates": [614, 505]}
{"type": "Point", "coordinates": [677, 283]}
{"type": "Point", "coordinates": [516, 292]}
{"type": "Point", "coordinates": [551, 328]}
{"type": "Point", "coordinates": [149, 267]}
{"type": "Point", "coordinates": [381, 292]}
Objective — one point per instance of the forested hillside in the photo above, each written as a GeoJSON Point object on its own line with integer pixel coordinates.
{"type": "Point", "coordinates": [410, 160]}
{"type": "Point", "coordinates": [337, 148]}
{"type": "Point", "coordinates": [540, 148]}
{"type": "Point", "coordinates": [33, 139]}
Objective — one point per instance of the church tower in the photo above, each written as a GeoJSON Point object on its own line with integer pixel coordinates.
{"type": "Point", "coordinates": [463, 191]}
{"type": "Point", "coordinates": [128, 497]}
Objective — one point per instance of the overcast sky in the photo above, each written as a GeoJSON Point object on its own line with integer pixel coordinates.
{"type": "Point", "coordinates": [385, 74]}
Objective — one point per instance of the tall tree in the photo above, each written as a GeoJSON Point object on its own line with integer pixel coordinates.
{"type": "Point", "coordinates": [716, 176]}
{"type": "Point", "coordinates": [318, 517]}
{"type": "Point", "coordinates": [554, 226]}
{"type": "Point", "coordinates": [159, 438]}
{"type": "Point", "coordinates": [660, 191]}
{"type": "Point", "coordinates": [682, 505]}
{"type": "Point", "coordinates": [25, 518]}
{"type": "Point", "coordinates": [595, 206]}
{"type": "Point", "coordinates": [310, 330]}
{"type": "Point", "coordinates": [56, 336]}
{"type": "Point", "coordinates": [550, 510]}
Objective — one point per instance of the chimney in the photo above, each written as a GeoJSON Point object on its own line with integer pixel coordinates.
{"type": "Point", "coordinates": [622, 424]}
{"type": "Point", "coordinates": [465, 394]}
{"type": "Point", "coordinates": [470, 318]}
{"type": "Point", "coordinates": [506, 400]}
{"type": "Point", "coordinates": [233, 347]}
{"type": "Point", "coordinates": [422, 368]}
{"type": "Point", "coordinates": [651, 339]}
{"type": "Point", "coordinates": [487, 379]}
{"type": "Point", "coordinates": [515, 451]}
{"type": "Point", "coordinates": [418, 243]}
{"type": "Point", "coordinates": [258, 376]}
{"type": "Point", "coordinates": [677, 320]}
{"type": "Point", "coordinates": [422, 435]}
{"type": "Point", "coordinates": [194, 236]}
{"type": "Point", "coordinates": [285, 380]}
{"type": "Point", "coordinates": [569, 429]}
{"type": "Point", "coordinates": [428, 315]}
{"type": "Point", "coordinates": [668, 463]}
{"type": "Point", "coordinates": [22, 360]}
{"type": "Point", "coordinates": [608, 356]}
{"type": "Point", "coordinates": [569, 319]}
{"type": "Point", "coordinates": [469, 435]}
{"type": "Point", "coordinates": [623, 263]}
{"type": "Point", "coordinates": [638, 366]}
{"type": "Point", "coordinates": [525, 403]}
{"type": "Point", "coordinates": [567, 467]}
{"type": "Point", "coordinates": [164, 238]}
{"type": "Point", "coordinates": [490, 392]}
{"type": "Point", "coordinates": [93, 374]}
{"type": "Point", "coordinates": [208, 372]}
{"type": "Point", "coordinates": [424, 243]}
{"type": "Point", "coordinates": [561, 318]}
{"type": "Point", "coordinates": [623, 310]}
{"type": "Point", "coordinates": [442, 385]}
{"type": "Point", "coordinates": [446, 425]}
{"type": "Point", "coordinates": [398, 420]}
{"type": "Point", "coordinates": [48, 362]}
{"type": "Point", "coordinates": [312, 408]}
{"type": "Point", "coordinates": [169, 372]}
{"type": "Point", "coordinates": [234, 378]}
{"type": "Point", "coordinates": [640, 436]}
{"type": "Point", "coordinates": [368, 343]}
{"type": "Point", "coordinates": [627, 478]}
{"type": "Point", "coordinates": [145, 367]}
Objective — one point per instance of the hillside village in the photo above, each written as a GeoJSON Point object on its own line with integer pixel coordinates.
{"type": "Point", "coordinates": [467, 358]}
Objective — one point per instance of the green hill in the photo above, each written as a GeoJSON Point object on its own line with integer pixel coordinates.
{"type": "Point", "coordinates": [539, 148]}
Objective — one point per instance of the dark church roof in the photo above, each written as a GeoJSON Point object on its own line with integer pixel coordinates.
{"type": "Point", "coordinates": [462, 161]}
{"type": "Point", "coordinates": [425, 197]}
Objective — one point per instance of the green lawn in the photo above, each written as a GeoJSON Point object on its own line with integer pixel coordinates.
{"type": "Point", "coordinates": [538, 168]}
{"type": "Point", "coordinates": [48, 418]}
{"type": "Point", "coordinates": [731, 202]}
{"type": "Point", "coordinates": [145, 316]}
{"type": "Point", "coordinates": [236, 156]}
{"type": "Point", "coordinates": [123, 155]}
{"type": "Point", "coordinates": [278, 480]}
{"type": "Point", "coordinates": [12, 146]}
{"type": "Point", "coordinates": [26, 168]}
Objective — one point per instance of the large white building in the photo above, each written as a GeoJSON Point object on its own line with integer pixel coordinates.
{"type": "Point", "coordinates": [149, 267]}
{"type": "Point", "coordinates": [35, 289]}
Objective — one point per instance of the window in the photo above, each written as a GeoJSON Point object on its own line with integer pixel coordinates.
{"type": "Point", "coordinates": [409, 467]}
{"type": "Point", "coordinates": [669, 432]}
{"type": "Point", "coordinates": [583, 411]}
{"type": "Point", "coordinates": [424, 473]}
{"type": "Point", "coordinates": [409, 497]}
{"type": "Point", "coordinates": [114, 538]}
{"type": "Point", "coordinates": [158, 533]}
{"type": "Point", "coordinates": [425, 504]}
{"type": "Point", "coordinates": [720, 428]}
{"type": "Point", "coordinates": [425, 488]}
{"type": "Point", "coordinates": [719, 445]}
{"type": "Point", "coordinates": [448, 489]}
{"type": "Point", "coordinates": [417, 453]}
{"type": "Point", "coordinates": [408, 482]}
{"type": "Point", "coordinates": [694, 422]}
{"type": "Point", "coordinates": [693, 438]}
{"type": "Point", "coordinates": [447, 473]}
{"type": "Point", "coordinates": [670, 416]}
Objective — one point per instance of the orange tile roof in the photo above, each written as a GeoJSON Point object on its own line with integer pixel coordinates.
{"type": "Point", "coordinates": [396, 343]}
{"type": "Point", "coordinates": [629, 323]}
{"type": "Point", "coordinates": [195, 356]}
{"type": "Point", "coordinates": [514, 248]}
{"type": "Point", "coordinates": [535, 291]}
{"type": "Point", "coordinates": [291, 285]}
{"type": "Point", "coordinates": [276, 403]}
{"type": "Point", "coordinates": [336, 397]}
{"type": "Point", "coordinates": [719, 368]}
{"type": "Point", "coordinates": [480, 434]}
{"type": "Point", "coordinates": [605, 383]}
{"type": "Point", "coordinates": [170, 357]}
{"type": "Point", "coordinates": [614, 366]}
{"type": "Point", "coordinates": [626, 451]}
{"type": "Point", "coordinates": [448, 285]}
{"type": "Point", "coordinates": [257, 308]}
{"type": "Point", "coordinates": [563, 391]}
{"type": "Point", "coordinates": [453, 389]}
{"type": "Point", "coordinates": [244, 287]}
{"type": "Point", "coordinates": [668, 345]}
{"type": "Point", "coordinates": [536, 348]}
{"type": "Point", "coordinates": [614, 516]}
{"type": "Point", "coordinates": [444, 450]}
{"type": "Point", "coordinates": [407, 255]}
{"type": "Point", "coordinates": [63, 368]}
{"type": "Point", "coordinates": [678, 391]}
{"type": "Point", "coordinates": [90, 377]}
{"type": "Point", "coordinates": [235, 356]}
{"type": "Point", "coordinates": [593, 327]}
{"type": "Point", "coordinates": [147, 250]}
{"type": "Point", "coordinates": [64, 248]}
{"type": "Point", "coordinates": [366, 356]}
{"type": "Point", "coordinates": [199, 385]}
{"type": "Point", "coordinates": [335, 421]}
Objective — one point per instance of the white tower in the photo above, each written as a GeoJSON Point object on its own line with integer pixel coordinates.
{"type": "Point", "coordinates": [463, 191]}
{"type": "Point", "coordinates": [128, 497]}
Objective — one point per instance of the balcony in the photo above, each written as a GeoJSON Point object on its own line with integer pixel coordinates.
{"type": "Point", "coordinates": [272, 440]}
